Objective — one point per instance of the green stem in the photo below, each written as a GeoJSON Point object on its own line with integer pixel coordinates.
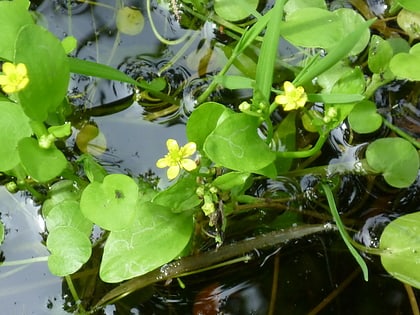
{"type": "Point", "coordinates": [341, 228]}
{"type": "Point", "coordinates": [75, 296]}
{"type": "Point", "coordinates": [306, 153]}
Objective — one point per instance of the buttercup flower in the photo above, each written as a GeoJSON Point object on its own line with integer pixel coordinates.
{"type": "Point", "coordinates": [293, 97]}
{"type": "Point", "coordinates": [176, 159]}
{"type": "Point", "coordinates": [14, 77]}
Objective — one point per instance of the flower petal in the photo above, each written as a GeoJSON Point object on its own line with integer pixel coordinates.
{"type": "Point", "coordinates": [189, 149]}
{"type": "Point", "coordinates": [172, 172]}
{"type": "Point", "coordinates": [188, 164]}
{"type": "Point", "coordinates": [21, 70]}
{"type": "Point", "coordinates": [288, 87]}
{"type": "Point", "coordinates": [8, 68]}
{"type": "Point", "coordinates": [163, 162]}
{"type": "Point", "coordinates": [281, 99]}
{"type": "Point", "coordinates": [172, 145]}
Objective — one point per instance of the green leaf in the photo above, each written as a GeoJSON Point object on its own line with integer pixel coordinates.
{"type": "Point", "coordinates": [15, 126]}
{"type": "Point", "coordinates": [235, 10]}
{"type": "Point", "coordinates": [179, 197]}
{"type": "Point", "coordinates": [60, 131]}
{"type": "Point", "coordinates": [399, 170]}
{"type": "Point", "coordinates": [203, 120]}
{"type": "Point", "coordinates": [231, 180]}
{"type": "Point", "coordinates": [285, 140]}
{"type": "Point", "coordinates": [112, 203]}
{"type": "Point", "coordinates": [409, 22]}
{"type": "Point", "coordinates": [235, 144]}
{"type": "Point", "coordinates": [41, 164]}
{"type": "Point", "coordinates": [43, 55]}
{"type": "Point", "coordinates": [67, 213]}
{"type": "Point", "coordinates": [400, 241]}
{"type": "Point", "coordinates": [412, 5]}
{"type": "Point", "coordinates": [156, 237]}
{"type": "Point", "coordinates": [69, 248]}
{"type": "Point", "coordinates": [364, 117]}
{"type": "Point", "coordinates": [380, 54]}
{"type": "Point", "coordinates": [407, 65]}
{"type": "Point", "coordinates": [295, 5]}
{"type": "Point", "coordinates": [69, 44]}
{"type": "Point", "coordinates": [93, 170]}
{"type": "Point", "coordinates": [13, 16]}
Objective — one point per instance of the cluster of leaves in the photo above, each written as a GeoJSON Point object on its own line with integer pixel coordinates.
{"type": "Point", "coordinates": [149, 228]}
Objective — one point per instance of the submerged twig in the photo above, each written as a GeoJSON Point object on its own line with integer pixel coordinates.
{"type": "Point", "coordinates": [188, 264]}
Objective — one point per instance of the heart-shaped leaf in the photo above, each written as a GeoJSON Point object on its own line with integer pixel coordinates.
{"type": "Point", "coordinates": [15, 125]}
{"type": "Point", "coordinates": [156, 237]}
{"type": "Point", "coordinates": [112, 203]}
{"type": "Point", "coordinates": [400, 241]}
{"type": "Point", "coordinates": [235, 10]}
{"type": "Point", "coordinates": [407, 65]}
{"type": "Point", "coordinates": [364, 118]}
{"type": "Point", "coordinates": [130, 21]}
{"type": "Point", "coordinates": [236, 144]}
{"type": "Point", "coordinates": [399, 170]}
{"type": "Point", "coordinates": [69, 248]}
{"type": "Point", "coordinates": [41, 164]}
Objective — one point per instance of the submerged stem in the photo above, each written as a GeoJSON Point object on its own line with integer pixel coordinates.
{"type": "Point", "coordinates": [224, 253]}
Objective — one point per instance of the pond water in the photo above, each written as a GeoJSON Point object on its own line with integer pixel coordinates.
{"type": "Point", "coordinates": [133, 137]}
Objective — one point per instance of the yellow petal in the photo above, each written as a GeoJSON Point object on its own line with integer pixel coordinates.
{"type": "Point", "coordinates": [172, 145]}
{"type": "Point", "coordinates": [288, 87]}
{"type": "Point", "coordinates": [172, 172]}
{"type": "Point", "coordinates": [8, 68]}
{"type": "Point", "coordinates": [188, 164]}
{"type": "Point", "coordinates": [9, 88]}
{"type": "Point", "coordinates": [21, 70]}
{"type": "Point", "coordinates": [163, 162]}
{"type": "Point", "coordinates": [4, 79]}
{"type": "Point", "coordinates": [281, 99]}
{"type": "Point", "coordinates": [188, 149]}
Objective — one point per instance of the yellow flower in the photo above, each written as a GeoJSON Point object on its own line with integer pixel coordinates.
{"type": "Point", "coordinates": [176, 159]}
{"type": "Point", "coordinates": [293, 97]}
{"type": "Point", "coordinates": [14, 77]}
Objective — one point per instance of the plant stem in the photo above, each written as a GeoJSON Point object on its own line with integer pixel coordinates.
{"type": "Point", "coordinates": [189, 264]}
{"type": "Point", "coordinates": [401, 133]}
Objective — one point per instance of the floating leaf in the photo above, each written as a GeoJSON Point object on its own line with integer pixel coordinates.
{"type": "Point", "coordinates": [400, 241]}
{"type": "Point", "coordinates": [236, 144]}
{"type": "Point", "coordinates": [231, 180]}
{"type": "Point", "coordinates": [412, 5]}
{"type": "Point", "coordinates": [67, 213]}
{"type": "Point", "coordinates": [380, 54]}
{"type": "Point", "coordinates": [41, 164]}
{"type": "Point", "coordinates": [69, 248]}
{"type": "Point", "coordinates": [235, 10]}
{"type": "Point", "coordinates": [15, 125]}
{"type": "Point", "coordinates": [407, 65]}
{"type": "Point", "coordinates": [91, 140]}
{"type": "Point", "coordinates": [294, 5]}
{"type": "Point", "coordinates": [156, 237]}
{"type": "Point", "coordinates": [399, 170]}
{"type": "Point", "coordinates": [112, 203]}
{"type": "Point", "coordinates": [179, 197]}
{"type": "Point", "coordinates": [364, 117]}
{"type": "Point", "coordinates": [129, 21]}
{"type": "Point", "coordinates": [203, 120]}
{"type": "Point", "coordinates": [44, 92]}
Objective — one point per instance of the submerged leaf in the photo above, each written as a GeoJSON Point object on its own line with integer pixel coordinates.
{"type": "Point", "coordinates": [130, 21]}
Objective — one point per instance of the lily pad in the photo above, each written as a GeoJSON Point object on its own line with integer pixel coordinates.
{"type": "Point", "coordinates": [399, 170]}
{"type": "Point", "coordinates": [156, 237]}
{"type": "Point", "coordinates": [69, 248]}
{"type": "Point", "coordinates": [407, 65]}
{"type": "Point", "coordinates": [400, 241]}
{"type": "Point", "coordinates": [112, 203]}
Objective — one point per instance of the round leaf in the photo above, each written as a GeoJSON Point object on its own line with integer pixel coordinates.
{"type": "Point", "coordinates": [69, 248]}
{"type": "Point", "coordinates": [48, 71]}
{"type": "Point", "coordinates": [156, 237]}
{"type": "Point", "coordinates": [235, 10]}
{"type": "Point", "coordinates": [129, 21]}
{"type": "Point", "coordinates": [380, 53]}
{"type": "Point", "coordinates": [41, 164]}
{"type": "Point", "coordinates": [112, 203]}
{"type": "Point", "coordinates": [15, 125]}
{"type": "Point", "coordinates": [400, 241]}
{"type": "Point", "coordinates": [364, 118]}
{"type": "Point", "coordinates": [399, 170]}
{"type": "Point", "coordinates": [407, 65]}
{"type": "Point", "coordinates": [409, 22]}
{"type": "Point", "coordinates": [236, 144]}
